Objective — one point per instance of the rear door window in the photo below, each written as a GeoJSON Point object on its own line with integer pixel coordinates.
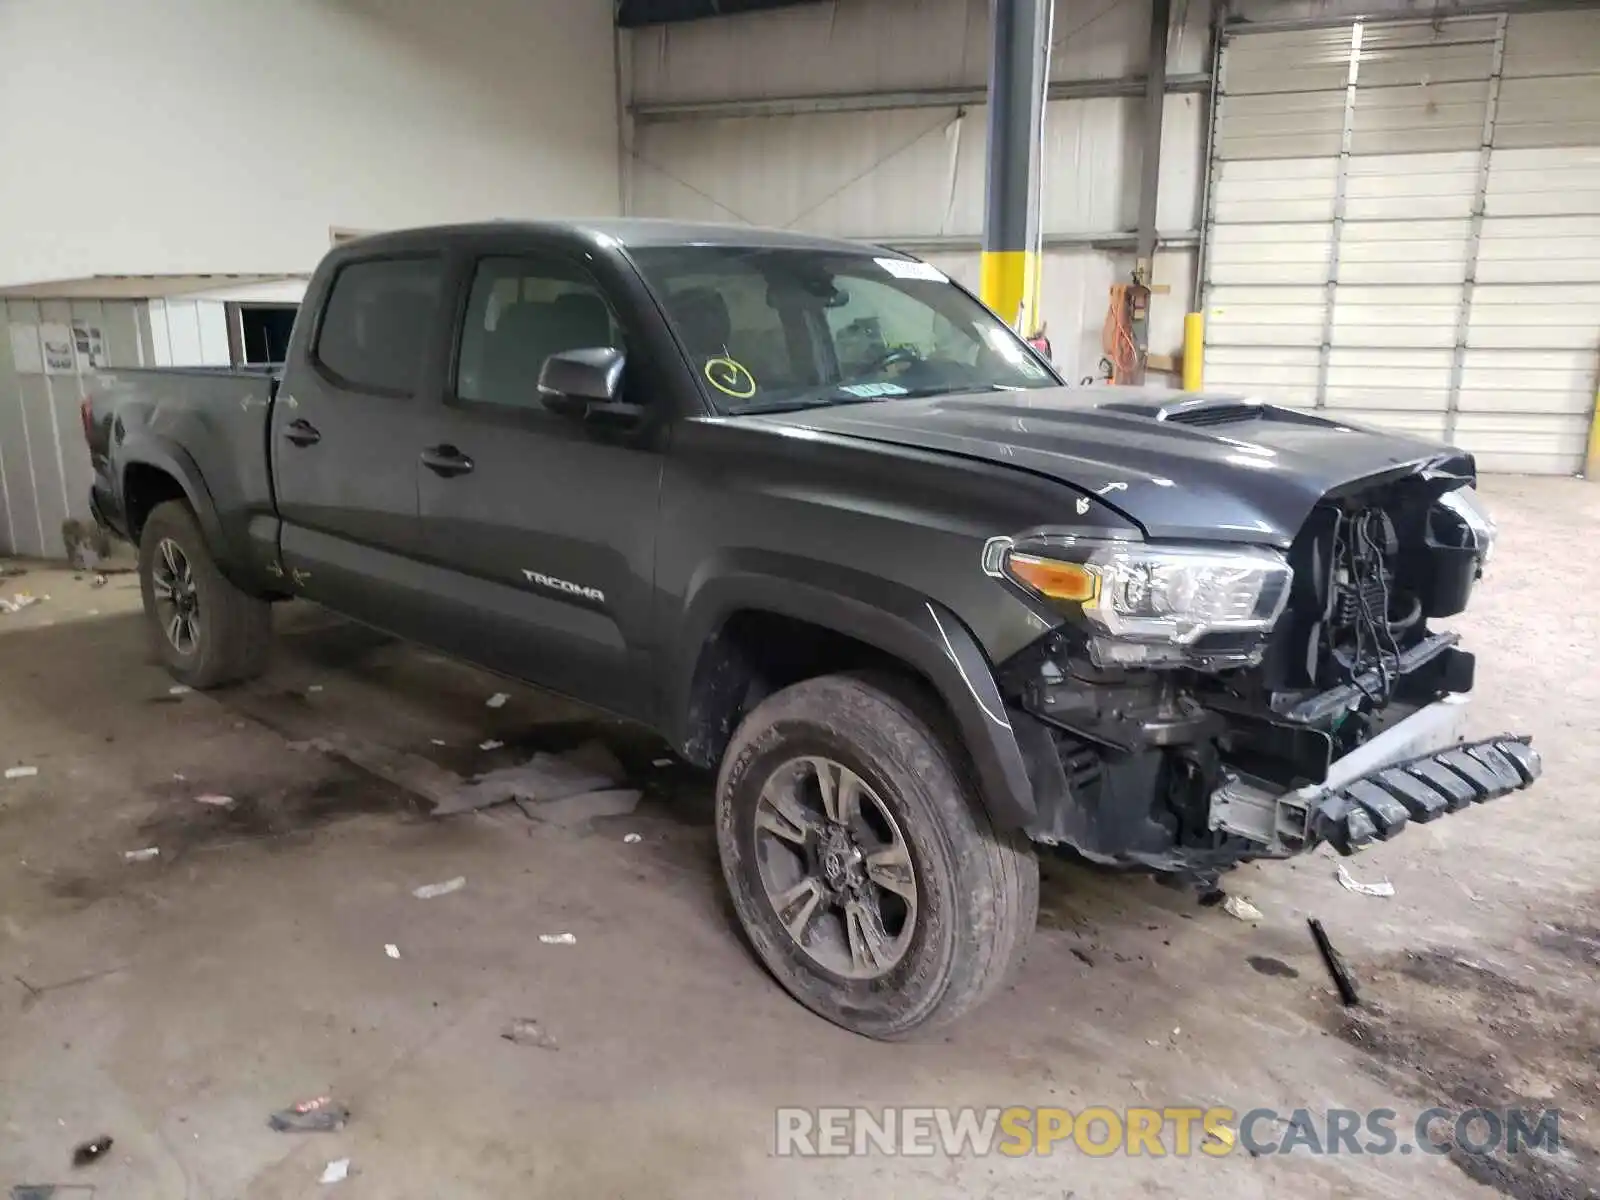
{"type": "Point", "coordinates": [377, 322]}
{"type": "Point", "coordinates": [521, 311]}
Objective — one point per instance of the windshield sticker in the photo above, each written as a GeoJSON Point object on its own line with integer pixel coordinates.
{"type": "Point", "coordinates": [906, 268]}
{"type": "Point", "coordinates": [730, 377]}
{"type": "Point", "coordinates": [871, 391]}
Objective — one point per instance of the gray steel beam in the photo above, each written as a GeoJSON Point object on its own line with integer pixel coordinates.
{"type": "Point", "coordinates": [955, 97]}
{"type": "Point", "coordinates": [1480, 200]}
{"type": "Point", "coordinates": [1288, 16]}
{"type": "Point", "coordinates": [956, 243]}
{"type": "Point", "coordinates": [1155, 97]}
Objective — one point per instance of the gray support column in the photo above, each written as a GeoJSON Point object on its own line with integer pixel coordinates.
{"type": "Point", "coordinates": [1155, 76]}
{"type": "Point", "coordinates": [1016, 115]}
{"type": "Point", "coordinates": [1469, 281]}
{"type": "Point", "coordinates": [1341, 189]}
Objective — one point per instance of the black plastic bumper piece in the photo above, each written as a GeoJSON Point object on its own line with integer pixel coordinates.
{"type": "Point", "coordinates": [1378, 806]}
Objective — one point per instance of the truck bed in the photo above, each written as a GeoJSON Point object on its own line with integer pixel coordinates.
{"type": "Point", "coordinates": [206, 426]}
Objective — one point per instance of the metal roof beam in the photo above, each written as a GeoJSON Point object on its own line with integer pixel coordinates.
{"type": "Point", "coordinates": [953, 243]}
{"type": "Point", "coordinates": [965, 97]}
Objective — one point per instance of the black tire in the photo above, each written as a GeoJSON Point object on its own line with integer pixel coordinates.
{"type": "Point", "coordinates": [976, 890]}
{"type": "Point", "coordinates": [232, 630]}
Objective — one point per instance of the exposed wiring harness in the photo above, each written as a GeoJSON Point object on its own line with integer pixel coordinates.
{"type": "Point", "coordinates": [1362, 556]}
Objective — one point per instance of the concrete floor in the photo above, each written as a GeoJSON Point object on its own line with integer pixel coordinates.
{"type": "Point", "coordinates": [173, 1003]}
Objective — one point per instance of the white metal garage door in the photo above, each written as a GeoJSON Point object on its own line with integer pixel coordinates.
{"type": "Point", "coordinates": [1403, 224]}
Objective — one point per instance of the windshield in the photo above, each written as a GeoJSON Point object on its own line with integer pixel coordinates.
{"type": "Point", "coordinates": [769, 329]}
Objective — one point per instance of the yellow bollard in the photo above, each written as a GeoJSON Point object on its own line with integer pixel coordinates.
{"type": "Point", "coordinates": [1591, 459]}
{"type": "Point", "coordinates": [1194, 351]}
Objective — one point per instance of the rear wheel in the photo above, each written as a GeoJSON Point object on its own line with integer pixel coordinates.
{"type": "Point", "coordinates": [205, 630]}
{"type": "Point", "coordinates": [861, 862]}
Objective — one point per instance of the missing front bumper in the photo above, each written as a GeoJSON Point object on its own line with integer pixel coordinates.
{"type": "Point", "coordinates": [1417, 771]}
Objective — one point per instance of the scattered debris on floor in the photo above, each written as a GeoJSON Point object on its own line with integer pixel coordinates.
{"type": "Point", "coordinates": [525, 1031]}
{"type": "Point", "coordinates": [145, 855]}
{"type": "Point", "coordinates": [336, 1171]}
{"type": "Point", "coordinates": [18, 602]}
{"type": "Point", "coordinates": [660, 762]}
{"type": "Point", "coordinates": [1334, 961]}
{"type": "Point", "coordinates": [543, 778]}
{"type": "Point", "coordinates": [99, 581]}
{"type": "Point", "coordinates": [1350, 883]}
{"type": "Point", "coordinates": [9, 570]}
{"type": "Point", "coordinates": [558, 939]}
{"type": "Point", "coordinates": [1221, 1133]}
{"type": "Point", "coordinates": [322, 1115]}
{"type": "Point", "coordinates": [21, 772]}
{"type": "Point", "coordinates": [1082, 956]}
{"type": "Point", "coordinates": [586, 806]}
{"type": "Point", "coordinates": [596, 756]}
{"type": "Point", "coordinates": [391, 950]}
{"type": "Point", "coordinates": [315, 687]}
{"type": "Point", "coordinates": [439, 741]}
{"type": "Point", "coordinates": [1238, 906]}
{"type": "Point", "coordinates": [430, 890]}
{"type": "Point", "coordinates": [91, 1151]}
{"type": "Point", "coordinates": [498, 700]}
{"type": "Point", "coordinates": [491, 744]}
{"type": "Point", "coordinates": [179, 689]}
{"type": "Point", "coordinates": [214, 800]}
{"type": "Point", "coordinates": [632, 839]}
{"type": "Point", "coordinates": [50, 1191]}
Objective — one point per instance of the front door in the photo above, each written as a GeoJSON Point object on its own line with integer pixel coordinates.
{"type": "Point", "coordinates": [546, 525]}
{"type": "Point", "coordinates": [345, 429]}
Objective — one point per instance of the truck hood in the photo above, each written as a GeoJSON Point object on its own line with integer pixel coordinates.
{"type": "Point", "coordinates": [1180, 465]}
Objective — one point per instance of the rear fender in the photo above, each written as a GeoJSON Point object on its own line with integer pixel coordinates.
{"type": "Point", "coordinates": [174, 461]}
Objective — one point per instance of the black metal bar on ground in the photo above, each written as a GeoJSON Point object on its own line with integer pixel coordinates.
{"type": "Point", "coordinates": [1342, 979]}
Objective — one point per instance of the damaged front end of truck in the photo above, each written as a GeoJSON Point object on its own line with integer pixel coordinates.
{"type": "Point", "coordinates": [1203, 705]}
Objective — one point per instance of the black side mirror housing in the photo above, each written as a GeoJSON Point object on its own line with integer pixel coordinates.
{"type": "Point", "coordinates": [586, 383]}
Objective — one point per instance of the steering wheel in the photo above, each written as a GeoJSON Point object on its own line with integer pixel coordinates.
{"type": "Point", "coordinates": [897, 354]}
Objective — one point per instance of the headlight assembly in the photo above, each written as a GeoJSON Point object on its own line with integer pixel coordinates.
{"type": "Point", "coordinates": [1468, 505]}
{"type": "Point", "coordinates": [1149, 604]}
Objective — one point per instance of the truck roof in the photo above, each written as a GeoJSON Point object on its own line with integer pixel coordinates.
{"type": "Point", "coordinates": [624, 231]}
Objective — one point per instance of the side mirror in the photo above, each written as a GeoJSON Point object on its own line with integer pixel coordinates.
{"type": "Point", "coordinates": [586, 382]}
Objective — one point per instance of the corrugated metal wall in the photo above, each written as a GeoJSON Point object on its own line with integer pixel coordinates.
{"type": "Point", "coordinates": [1405, 226]}
{"type": "Point", "coordinates": [48, 354]}
{"type": "Point", "coordinates": [915, 175]}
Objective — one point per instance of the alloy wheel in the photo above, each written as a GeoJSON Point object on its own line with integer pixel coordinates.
{"type": "Point", "coordinates": [835, 867]}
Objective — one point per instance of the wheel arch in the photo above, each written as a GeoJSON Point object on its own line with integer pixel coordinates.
{"type": "Point", "coordinates": [761, 621]}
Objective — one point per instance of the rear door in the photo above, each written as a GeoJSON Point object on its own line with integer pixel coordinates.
{"type": "Point", "coordinates": [547, 524]}
{"type": "Point", "coordinates": [349, 418]}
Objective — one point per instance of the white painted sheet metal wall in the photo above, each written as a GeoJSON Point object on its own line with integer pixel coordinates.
{"type": "Point", "coordinates": [1422, 250]}
{"type": "Point", "coordinates": [44, 465]}
{"type": "Point", "coordinates": [918, 173]}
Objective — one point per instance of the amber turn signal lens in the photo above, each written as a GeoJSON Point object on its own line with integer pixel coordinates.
{"type": "Point", "coordinates": [1057, 580]}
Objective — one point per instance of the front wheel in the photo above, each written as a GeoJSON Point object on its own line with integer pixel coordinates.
{"type": "Point", "coordinates": [861, 862]}
{"type": "Point", "coordinates": [205, 630]}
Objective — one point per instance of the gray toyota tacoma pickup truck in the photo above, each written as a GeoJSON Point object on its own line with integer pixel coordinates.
{"type": "Point", "coordinates": [813, 513]}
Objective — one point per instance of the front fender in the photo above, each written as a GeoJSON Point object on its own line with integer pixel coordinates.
{"type": "Point", "coordinates": [921, 633]}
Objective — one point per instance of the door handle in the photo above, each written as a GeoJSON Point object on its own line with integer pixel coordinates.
{"type": "Point", "coordinates": [302, 433]}
{"type": "Point", "coordinates": [446, 460]}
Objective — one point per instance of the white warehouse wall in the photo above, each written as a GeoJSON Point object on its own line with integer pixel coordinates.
{"type": "Point", "coordinates": [916, 175]}
{"type": "Point", "coordinates": [195, 136]}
